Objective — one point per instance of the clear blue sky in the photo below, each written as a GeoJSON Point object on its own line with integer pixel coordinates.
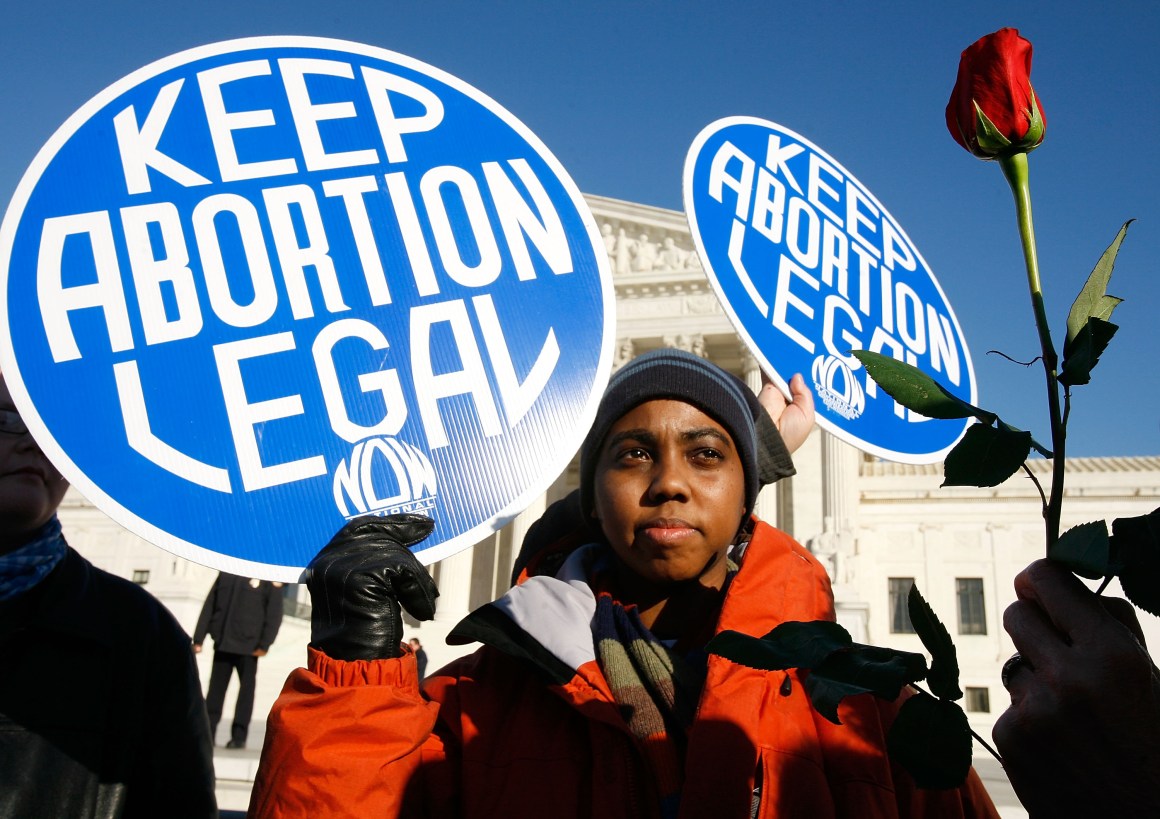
{"type": "Point", "coordinates": [618, 91]}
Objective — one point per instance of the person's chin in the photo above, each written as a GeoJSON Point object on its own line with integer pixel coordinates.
{"type": "Point", "coordinates": [20, 522]}
{"type": "Point", "coordinates": [667, 573]}
{"type": "Point", "coordinates": [25, 502]}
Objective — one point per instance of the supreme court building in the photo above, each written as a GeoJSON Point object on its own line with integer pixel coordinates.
{"type": "Point", "coordinates": [877, 526]}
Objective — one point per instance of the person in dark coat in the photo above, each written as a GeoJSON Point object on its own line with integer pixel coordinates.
{"type": "Point", "coordinates": [243, 616]}
{"type": "Point", "coordinates": [101, 713]}
{"type": "Point", "coordinates": [420, 656]}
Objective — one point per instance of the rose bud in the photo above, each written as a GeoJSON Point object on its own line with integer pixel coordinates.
{"type": "Point", "coordinates": [993, 111]}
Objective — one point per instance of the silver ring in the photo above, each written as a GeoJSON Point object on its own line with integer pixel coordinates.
{"type": "Point", "coordinates": [1013, 662]}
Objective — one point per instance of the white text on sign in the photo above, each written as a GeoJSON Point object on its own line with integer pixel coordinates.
{"type": "Point", "coordinates": [837, 243]}
{"type": "Point", "coordinates": [157, 272]}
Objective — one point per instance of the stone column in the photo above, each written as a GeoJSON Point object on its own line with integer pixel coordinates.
{"type": "Point", "coordinates": [454, 588]}
{"type": "Point", "coordinates": [836, 546]}
{"type": "Point", "coordinates": [839, 485]}
{"type": "Point", "coordinates": [453, 576]}
{"type": "Point", "coordinates": [998, 536]}
{"type": "Point", "coordinates": [517, 530]}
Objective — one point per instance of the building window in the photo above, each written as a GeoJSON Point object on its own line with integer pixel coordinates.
{"type": "Point", "coordinates": [899, 613]}
{"type": "Point", "coordinates": [972, 616]}
{"type": "Point", "coordinates": [140, 576]}
{"type": "Point", "coordinates": [979, 700]}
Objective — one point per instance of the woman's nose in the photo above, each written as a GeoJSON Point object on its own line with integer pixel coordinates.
{"type": "Point", "coordinates": [669, 480]}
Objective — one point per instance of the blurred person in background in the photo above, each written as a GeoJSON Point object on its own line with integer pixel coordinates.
{"type": "Point", "coordinates": [420, 656]}
{"type": "Point", "coordinates": [243, 616]}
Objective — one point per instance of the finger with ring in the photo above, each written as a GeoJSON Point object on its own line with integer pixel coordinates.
{"type": "Point", "coordinates": [1013, 662]}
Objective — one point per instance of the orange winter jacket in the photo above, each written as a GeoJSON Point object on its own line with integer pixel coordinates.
{"type": "Point", "coordinates": [527, 727]}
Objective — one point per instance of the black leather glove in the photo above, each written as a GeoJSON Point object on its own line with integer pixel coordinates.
{"type": "Point", "coordinates": [358, 581]}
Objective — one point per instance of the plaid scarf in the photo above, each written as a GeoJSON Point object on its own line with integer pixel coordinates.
{"type": "Point", "coordinates": [656, 687]}
{"type": "Point", "coordinates": [23, 568]}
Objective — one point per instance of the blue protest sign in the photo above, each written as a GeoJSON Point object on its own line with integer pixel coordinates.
{"type": "Point", "coordinates": [809, 265]}
{"type": "Point", "coordinates": [263, 286]}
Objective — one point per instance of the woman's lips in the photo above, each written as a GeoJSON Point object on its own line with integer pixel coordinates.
{"type": "Point", "coordinates": [665, 530]}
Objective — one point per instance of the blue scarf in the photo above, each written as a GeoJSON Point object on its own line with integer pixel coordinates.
{"type": "Point", "coordinates": [23, 568]}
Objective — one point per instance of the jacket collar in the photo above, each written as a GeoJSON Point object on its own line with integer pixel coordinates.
{"type": "Point", "coordinates": [547, 620]}
{"type": "Point", "coordinates": [64, 601]}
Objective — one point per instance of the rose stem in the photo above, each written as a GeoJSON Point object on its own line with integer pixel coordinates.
{"type": "Point", "coordinates": [1015, 169]}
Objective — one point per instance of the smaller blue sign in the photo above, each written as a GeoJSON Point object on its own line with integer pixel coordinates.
{"type": "Point", "coordinates": [809, 266]}
{"type": "Point", "coordinates": [261, 287]}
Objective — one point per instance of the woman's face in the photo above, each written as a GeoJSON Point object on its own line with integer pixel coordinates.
{"type": "Point", "coordinates": [30, 487]}
{"type": "Point", "coordinates": [669, 492]}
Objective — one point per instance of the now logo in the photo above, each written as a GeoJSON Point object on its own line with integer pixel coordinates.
{"type": "Point", "coordinates": [836, 385]}
{"type": "Point", "coordinates": [385, 477]}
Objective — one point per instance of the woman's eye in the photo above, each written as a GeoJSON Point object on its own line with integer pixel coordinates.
{"type": "Point", "coordinates": [633, 454]}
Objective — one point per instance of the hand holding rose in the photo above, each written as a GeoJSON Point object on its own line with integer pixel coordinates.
{"type": "Point", "coordinates": [1082, 735]}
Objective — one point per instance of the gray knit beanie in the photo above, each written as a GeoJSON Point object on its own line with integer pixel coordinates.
{"type": "Point", "coordinates": [675, 374]}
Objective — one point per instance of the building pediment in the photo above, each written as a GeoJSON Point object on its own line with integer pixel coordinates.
{"type": "Point", "coordinates": [650, 249]}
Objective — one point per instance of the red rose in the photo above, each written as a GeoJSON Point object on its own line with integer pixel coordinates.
{"type": "Point", "coordinates": [993, 109]}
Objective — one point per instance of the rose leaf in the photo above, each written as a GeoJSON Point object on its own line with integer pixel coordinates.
{"type": "Point", "coordinates": [931, 739]}
{"type": "Point", "coordinates": [790, 645]}
{"type": "Point", "coordinates": [1084, 549]}
{"type": "Point", "coordinates": [943, 679]}
{"type": "Point", "coordinates": [986, 456]}
{"type": "Point", "coordinates": [861, 669]}
{"type": "Point", "coordinates": [1082, 353]}
{"type": "Point", "coordinates": [916, 390]}
{"type": "Point", "coordinates": [1093, 300]}
{"type": "Point", "coordinates": [1136, 550]}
